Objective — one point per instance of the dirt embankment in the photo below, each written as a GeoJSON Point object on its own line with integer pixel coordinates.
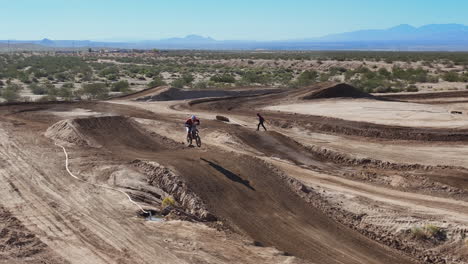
{"type": "Point", "coordinates": [438, 179]}
{"type": "Point", "coordinates": [341, 90]}
{"type": "Point", "coordinates": [423, 96]}
{"type": "Point", "coordinates": [254, 198]}
{"type": "Point", "coordinates": [172, 94]}
{"type": "Point", "coordinates": [243, 191]}
{"type": "Point", "coordinates": [337, 126]}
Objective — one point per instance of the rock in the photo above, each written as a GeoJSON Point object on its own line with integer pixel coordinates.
{"type": "Point", "coordinates": [222, 118]}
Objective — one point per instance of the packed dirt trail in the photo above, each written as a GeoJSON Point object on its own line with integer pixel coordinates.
{"type": "Point", "coordinates": [282, 148]}
{"type": "Point", "coordinates": [246, 193]}
{"type": "Point", "coordinates": [54, 218]}
{"type": "Point", "coordinates": [281, 196]}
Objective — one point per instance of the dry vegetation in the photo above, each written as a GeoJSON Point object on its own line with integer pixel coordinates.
{"type": "Point", "coordinates": [75, 76]}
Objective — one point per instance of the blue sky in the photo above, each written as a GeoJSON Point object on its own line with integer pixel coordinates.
{"type": "Point", "coordinates": [235, 19]}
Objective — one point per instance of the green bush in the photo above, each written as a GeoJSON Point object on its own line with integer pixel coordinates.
{"type": "Point", "coordinates": [65, 93]}
{"type": "Point", "coordinates": [111, 70]}
{"type": "Point", "coordinates": [418, 233]}
{"type": "Point", "coordinates": [68, 85]}
{"type": "Point", "coordinates": [51, 89]}
{"type": "Point", "coordinates": [168, 201]}
{"type": "Point", "coordinates": [37, 89]}
{"type": "Point", "coordinates": [95, 91]}
{"type": "Point", "coordinates": [178, 83]}
{"type": "Point", "coordinates": [412, 88]}
{"type": "Point", "coordinates": [223, 78]}
{"type": "Point", "coordinates": [188, 78]}
{"type": "Point", "coordinates": [11, 92]}
{"type": "Point", "coordinates": [436, 232]}
{"type": "Point", "coordinates": [203, 85]}
{"type": "Point", "coordinates": [255, 77]}
{"type": "Point", "coordinates": [451, 76]}
{"type": "Point", "coordinates": [429, 232]}
{"type": "Point", "coordinates": [120, 86]}
{"type": "Point", "coordinates": [156, 82]}
{"type": "Point", "coordinates": [306, 78]}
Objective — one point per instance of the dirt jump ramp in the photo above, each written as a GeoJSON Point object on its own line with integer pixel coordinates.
{"type": "Point", "coordinates": [252, 196]}
{"type": "Point", "coordinates": [247, 193]}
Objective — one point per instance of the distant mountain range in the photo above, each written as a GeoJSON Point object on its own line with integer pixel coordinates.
{"type": "Point", "coordinates": [443, 37]}
{"type": "Point", "coordinates": [441, 32]}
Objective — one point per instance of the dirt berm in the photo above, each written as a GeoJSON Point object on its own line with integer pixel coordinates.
{"type": "Point", "coordinates": [172, 94]}
{"type": "Point", "coordinates": [336, 91]}
{"type": "Point", "coordinates": [250, 195]}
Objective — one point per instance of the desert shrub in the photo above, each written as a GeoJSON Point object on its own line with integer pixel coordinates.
{"type": "Point", "coordinates": [306, 78]}
{"type": "Point", "coordinates": [436, 232]}
{"type": "Point", "coordinates": [433, 78]}
{"type": "Point", "coordinates": [223, 78]}
{"type": "Point", "coordinates": [37, 89]}
{"type": "Point", "coordinates": [50, 89]}
{"type": "Point", "coordinates": [68, 85]}
{"type": "Point", "coordinates": [324, 77]}
{"type": "Point", "coordinates": [337, 70]}
{"type": "Point", "coordinates": [113, 77]}
{"type": "Point", "coordinates": [255, 77]}
{"type": "Point", "coordinates": [418, 233]}
{"type": "Point", "coordinates": [65, 92]}
{"type": "Point", "coordinates": [156, 82]}
{"type": "Point", "coordinates": [11, 92]}
{"type": "Point", "coordinates": [109, 71]}
{"type": "Point", "coordinates": [384, 72]}
{"type": "Point", "coordinates": [412, 88]}
{"type": "Point", "coordinates": [178, 83]}
{"type": "Point", "coordinates": [120, 86]}
{"type": "Point", "coordinates": [24, 77]}
{"type": "Point", "coordinates": [412, 75]}
{"type": "Point", "coordinates": [95, 90]}
{"type": "Point", "coordinates": [168, 201]}
{"type": "Point", "coordinates": [188, 78]}
{"type": "Point", "coordinates": [451, 76]}
{"type": "Point", "coordinates": [62, 76]}
{"type": "Point", "coordinates": [200, 85]}
{"type": "Point", "coordinates": [428, 232]}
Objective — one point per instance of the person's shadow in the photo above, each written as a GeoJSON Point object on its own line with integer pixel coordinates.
{"type": "Point", "coordinates": [229, 174]}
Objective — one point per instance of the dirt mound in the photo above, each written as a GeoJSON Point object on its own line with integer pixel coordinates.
{"type": "Point", "coordinates": [255, 198]}
{"type": "Point", "coordinates": [67, 132]}
{"type": "Point", "coordinates": [173, 94]}
{"type": "Point", "coordinates": [336, 91]}
{"type": "Point", "coordinates": [107, 131]}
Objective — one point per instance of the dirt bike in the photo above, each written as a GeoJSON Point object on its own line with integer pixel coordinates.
{"type": "Point", "coordinates": [196, 136]}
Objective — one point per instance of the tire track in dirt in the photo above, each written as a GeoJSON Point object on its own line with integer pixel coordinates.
{"type": "Point", "coordinates": [251, 197]}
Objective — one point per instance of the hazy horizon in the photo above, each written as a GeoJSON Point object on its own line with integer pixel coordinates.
{"type": "Point", "coordinates": [123, 20]}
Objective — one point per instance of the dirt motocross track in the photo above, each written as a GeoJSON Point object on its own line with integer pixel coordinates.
{"type": "Point", "coordinates": [304, 192]}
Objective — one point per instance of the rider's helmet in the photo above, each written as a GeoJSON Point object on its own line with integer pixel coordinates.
{"type": "Point", "coordinates": [193, 118]}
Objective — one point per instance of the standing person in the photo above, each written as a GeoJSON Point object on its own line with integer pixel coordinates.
{"type": "Point", "coordinates": [261, 120]}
